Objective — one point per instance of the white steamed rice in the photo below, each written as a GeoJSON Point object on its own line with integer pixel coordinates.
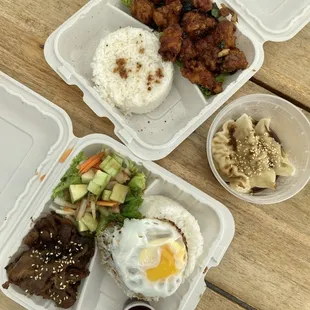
{"type": "Point", "coordinates": [131, 94]}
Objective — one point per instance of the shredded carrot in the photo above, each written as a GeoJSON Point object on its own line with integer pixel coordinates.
{"type": "Point", "coordinates": [104, 203]}
{"type": "Point", "coordinates": [97, 166]}
{"type": "Point", "coordinates": [91, 162]}
{"type": "Point", "coordinates": [65, 155]}
{"type": "Point", "coordinates": [42, 177]}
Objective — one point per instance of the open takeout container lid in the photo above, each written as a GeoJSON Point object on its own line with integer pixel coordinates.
{"type": "Point", "coordinates": [70, 48]}
{"type": "Point", "coordinates": [276, 20]}
{"type": "Point", "coordinates": [36, 133]}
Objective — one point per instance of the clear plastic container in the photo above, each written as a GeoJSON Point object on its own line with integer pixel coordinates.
{"type": "Point", "coordinates": [70, 50]}
{"type": "Point", "coordinates": [289, 124]}
{"type": "Point", "coordinates": [42, 132]}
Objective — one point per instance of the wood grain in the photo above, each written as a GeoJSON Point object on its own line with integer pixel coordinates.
{"type": "Point", "coordinates": [213, 301]}
{"type": "Point", "coordinates": [286, 67]}
{"type": "Point", "coordinates": [8, 304]}
{"type": "Point", "coordinates": [269, 256]}
{"type": "Point", "coordinates": [209, 301]}
{"type": "Point", "coordinates": [268, 264]}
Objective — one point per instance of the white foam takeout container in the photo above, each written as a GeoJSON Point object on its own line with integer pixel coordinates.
{"type": "Point", "coordinates": [70, 49]}
{"type": "Point", "coordinates": [35, 133]}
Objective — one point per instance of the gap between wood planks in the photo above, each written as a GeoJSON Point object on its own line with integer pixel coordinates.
{"type": "Point", "coordinates": [279, 94]}
{"type": "Point", "coordinates": [228, 296]}
{"type": "Point", "coordinates": [209, 285]}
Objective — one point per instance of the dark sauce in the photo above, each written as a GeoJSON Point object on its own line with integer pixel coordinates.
{"type": "Point", "coordinates": [187, 6]}
{"type": "Point", "coordinates": [232, 140]}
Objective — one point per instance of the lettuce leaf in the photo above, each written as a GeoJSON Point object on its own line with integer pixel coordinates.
{"type": "Point", "coordinates": [127, 3]}
{"type": "Point", "coordinates": [72, 176]}
{"type": "Point", "coordinates": [221, 77]}
{"type": "Point", "coordinates": [130, 209]}
{"type": "Point", "coordinates": [205, 91]}
{"type": "Point", "coordinates": [138, 183]}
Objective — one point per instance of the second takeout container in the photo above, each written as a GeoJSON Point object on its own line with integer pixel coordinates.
{"type": "Point", "coordinates": [35, 133]}
{"type": "Point", "coordinates": [70, 49]}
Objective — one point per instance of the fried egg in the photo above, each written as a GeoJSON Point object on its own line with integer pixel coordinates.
{"type": "Point", "coordinates": [150, 258]}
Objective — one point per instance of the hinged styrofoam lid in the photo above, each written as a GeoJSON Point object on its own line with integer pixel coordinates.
{"type": "Point", "coordinates": [274, 20]}
{"type": "Point", "coordinates": [33, 135]}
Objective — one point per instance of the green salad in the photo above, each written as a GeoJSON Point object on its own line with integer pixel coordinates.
{"type": "Point", "coordinates": [98, 190]}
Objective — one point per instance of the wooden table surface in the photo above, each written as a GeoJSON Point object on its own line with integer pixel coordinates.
{"type": "Point", "coordinates": [268, 264]}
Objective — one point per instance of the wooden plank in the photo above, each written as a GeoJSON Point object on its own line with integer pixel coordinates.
{"type": "Point", "coordinates": [8, 304]}
{"type": "Point", "coordinates": [210, 300]}
{"type": "Point", "coordinates": [268, 264]}
{"type": "Point", "coordinates": [286, 67]}
{"type": "Point", "coordinates": [213, 301]}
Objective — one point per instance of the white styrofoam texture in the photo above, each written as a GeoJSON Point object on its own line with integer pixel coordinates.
{"type": "Point", "coordinates": [98, 290]}
{"type": "Point", "coordinates": [70, 49]}
{"type": "Point", "coordinates": [276, 20]}
{"type": "Point", "coordinates": [290, 125]}
{"type": "Point", "coordinates": [33, 134]}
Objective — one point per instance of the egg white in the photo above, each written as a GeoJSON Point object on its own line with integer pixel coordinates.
{"type": "Point", "coordinates": [125, 245]}
{"type": "Point", "coordinates": [120, 247]}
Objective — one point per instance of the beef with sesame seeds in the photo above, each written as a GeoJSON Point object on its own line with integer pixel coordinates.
{"type": "Point", "coordinates": [55, 262]}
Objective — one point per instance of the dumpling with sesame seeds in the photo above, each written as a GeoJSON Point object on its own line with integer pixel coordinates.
{"type": "Point", "coordinates": [249, 156]}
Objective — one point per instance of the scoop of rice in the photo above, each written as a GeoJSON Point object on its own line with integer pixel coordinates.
{"type": "Point", "coordinates": [164, 208]}
{"type": "Point", "coordinates": [129, 73]}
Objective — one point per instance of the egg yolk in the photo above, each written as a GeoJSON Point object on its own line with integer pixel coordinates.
{"type": "Point", "coordinates": [167, 265]}
{"type": "Point", "coordinates": [165, 268]}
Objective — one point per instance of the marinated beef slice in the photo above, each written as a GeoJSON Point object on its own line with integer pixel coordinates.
{"type": "Point", "coordinates": [55, 262]}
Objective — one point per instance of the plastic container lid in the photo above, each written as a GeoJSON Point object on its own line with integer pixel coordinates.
{"type": "Point", "coordinates": [276, 20]}
{"type": "Point", "coordinates": [292, 128]}
{"type": "Point", "coordinates": [34, 133]}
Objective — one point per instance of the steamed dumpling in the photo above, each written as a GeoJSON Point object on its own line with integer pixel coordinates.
{"type": "Point", "coordinates": [247, 156]}
{"type": "Point", "coordinates": [225, 162]}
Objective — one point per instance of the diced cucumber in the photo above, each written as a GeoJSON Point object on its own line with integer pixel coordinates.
{"type": "Point", "coordinates": [94, 188]}
{"type": "Point", "coordinates": [90, 222]}
{"type": "Point", "coordinates": [82, 227]}
{"type": "Point", "coordinates": [119, 193]}
{"type": "Point", "coordinates": [106, 195]}
{"type": "Point", "coordinates": [138, 182]}
{"type": "Point", "coordinates": [118, 158]}
{"type": "Point", "coordinates": [101, 178]}
{"type": "Point", "coordinates": [105, 161]}
{"type": "Point", "coordinates": [88, 176]}
{"type": "Point", "coordinates": [122, 177]}
{"type": "Point", "coordinates": [77, 192]}
{"type": "Point", "coordinates": [104, 211]}
{"type": "Point", "coordinates": [113, 167]}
